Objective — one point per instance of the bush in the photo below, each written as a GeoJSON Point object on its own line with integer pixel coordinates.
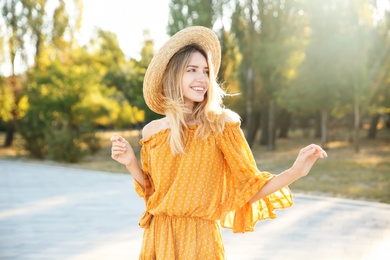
{"type": "Point", "coordinates": [32, 129]}
{"type": "Point", "coordinates": [60, 122]}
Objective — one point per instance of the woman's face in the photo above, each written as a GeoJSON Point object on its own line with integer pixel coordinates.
{"type": "Point", "coordinates": [195, 80]}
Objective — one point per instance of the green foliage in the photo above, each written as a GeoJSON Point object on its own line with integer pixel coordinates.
{"type": "Point", "coordinates": [33, 128]}
{"type": "Point", "coordinates": [60, 25]}
{"type": "Point", "coordinates": [185, 13]}
{"type": "Point", "coordinates": [228, 74]}
{"type": "Point", "coordinates": [306, 55]}
{"type": "Point", "coordinates": [127, 77]}
{"type": "Point", "coordinates": [70, 100]}
{"type": "Point", "coordinates": [6, 101]}
{"type": "Point", "coordinates": [61, 120]}
{"type": "Point", "coordinates": [338, 60]}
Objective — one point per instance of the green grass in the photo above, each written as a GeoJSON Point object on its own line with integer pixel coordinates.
{"type": "Point", "coordinates": [364, 175]}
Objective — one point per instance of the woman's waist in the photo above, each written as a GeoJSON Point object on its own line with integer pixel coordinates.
{"type": "Point", "coordinates": [187, 220]}
{"type": "Point", "coordinates": [197, 213]}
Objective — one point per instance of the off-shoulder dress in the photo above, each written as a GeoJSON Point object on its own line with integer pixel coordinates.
{"type": "Point", "coordinates": [189, 196]}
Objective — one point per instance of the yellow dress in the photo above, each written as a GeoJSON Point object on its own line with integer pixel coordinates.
{"type": "Point", "coordinates": [189, 196]}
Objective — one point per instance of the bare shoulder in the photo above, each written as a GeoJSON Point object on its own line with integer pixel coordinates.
{"type": "Point", "coordinates": [230, 116]}
{"type": "Point", "coordinates": [154, 127]}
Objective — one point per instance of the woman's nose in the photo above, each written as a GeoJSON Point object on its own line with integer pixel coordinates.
{"type": "Point", "coordinates": [202, 77]}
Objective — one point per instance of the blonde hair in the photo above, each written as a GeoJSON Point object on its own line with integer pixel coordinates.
{"type": "Point", "coordinates": [210, 113]}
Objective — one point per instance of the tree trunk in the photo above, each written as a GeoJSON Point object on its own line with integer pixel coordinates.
{"type": "Point", "coordinates": [250, 125]}
{"type": "Point", "coordinates": [16, 91]}
{"type": "Point", "coordinates": [304, 125]}
{"type": "Point", "coordinates": [284, 123]}
{"type": "Point", "coordinates": [373, 126]}
{"type": "Point", "coordinates": [253, 129]}
{"type": "Point", "coordinates": [10, 133]}
{"type": "Point", "coordinates": [324, 128]}
{"type": "Point", "coordinates": [318, 126]}
{"type": "Point", "coordinates": [271, 126]}
{"type": "Point", "coordinates": [356, 137]}
{"type": "Point", "coordinates": [264, 124]}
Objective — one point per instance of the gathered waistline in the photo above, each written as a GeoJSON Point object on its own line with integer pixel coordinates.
{"type": "Point", "coordinates": [146, 218]}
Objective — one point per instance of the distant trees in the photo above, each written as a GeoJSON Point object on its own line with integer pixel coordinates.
{"type": "Point", "coordinates": [269, 34]}
{"type": "Point", "coordinates": [341, 62]}
{"type": "Point", "coordinates": [185, 13]}
{"type": "Point", "coordinates": [292, 61]}
{"type": "Point", "coordinates": [69, 91]}
{"type": "Point", "coordinates": [15, 15]}
{"type": "Point", "coordinates": [320, 59]}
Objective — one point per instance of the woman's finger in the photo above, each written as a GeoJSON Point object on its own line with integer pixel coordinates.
{"type": "Point", "coordinates": [116, 152]}
{"type": "Point", "coordinates": [118, 146]}
{"type": "Point", "coordinates": [313, 149]}
{"type": "Point", "coordinates": [119, 150]}
{"type": "Point", "coordinates": [116, 138]}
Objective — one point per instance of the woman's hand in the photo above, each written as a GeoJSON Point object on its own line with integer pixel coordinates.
{"type": "Point", "coordinates": [121, 151]}
{"type": "Point", "coordinates": [306, 158]}
{"type": "Point", "coordinates": [301, 167]}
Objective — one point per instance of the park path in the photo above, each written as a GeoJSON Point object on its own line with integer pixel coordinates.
{"type": "Point", "coordinates": [55, 213]}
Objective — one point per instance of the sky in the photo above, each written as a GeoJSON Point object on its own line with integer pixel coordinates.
{"type": "Point", "coordinates": [128, 19]}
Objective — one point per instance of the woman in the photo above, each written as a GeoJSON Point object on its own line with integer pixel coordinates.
{"type": "Point", "coordinates": [197, 167]}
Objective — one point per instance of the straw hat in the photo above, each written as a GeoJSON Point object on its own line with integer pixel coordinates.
{"type": "Point", "coordinates": [202, 36]}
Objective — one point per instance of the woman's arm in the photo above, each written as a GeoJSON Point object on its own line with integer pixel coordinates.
{"type": "Point", "coordinates": [301, 167]}
{"type": "Point", "coordinates": [122, 152]}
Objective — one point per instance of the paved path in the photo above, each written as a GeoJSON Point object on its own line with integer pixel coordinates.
{"type": "Point", "coordinates": [57, 213]}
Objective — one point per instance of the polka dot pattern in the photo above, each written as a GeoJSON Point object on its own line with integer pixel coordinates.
{"type": "Point", "coordinates": [187, 194]}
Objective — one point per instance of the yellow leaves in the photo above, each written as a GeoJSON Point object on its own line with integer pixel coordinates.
{"type": "Point", "coordinates": [291, 74]}
{"type": "Point", "coordinates": [139, 114]}
{"type": "Point", "coordinates": [108, 112]}
{"type": "Point", "coordinates": [293, 62]}
{"type": "Point", "coordinates": [45, 90]}
{"type": "Point", "coordinates": [130, 115]}
{"type": "Point", "coordinates": [23, 107]}
{"type": "Point", "coordinates": [8, 108]}
{"type": "Point", "coordinates": [384, 110]}
{"type": "Point", "coordinates": [6, 102]}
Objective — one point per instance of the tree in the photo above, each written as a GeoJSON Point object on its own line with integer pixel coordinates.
{"type": "Point", "coordinates": [267, 33]}
{"type": "Point", "coordinates": [185, 13]}
{"type": "Point", "coordinates": [228, 75]}
{"type": "Point", "coordinates": [60, 26]}
{"type": "Point", "coordinates": [6, 100]}
{"type": "Point", "coordinates": [35, 14]}
{"type": "Point", "coordinates": [65, 104]}
{"type": "Point", "coordinates": [127, 76]}
{"type": "Point", "coordinates": [244, 31]}
{"type": "Point", "coordinates": [14, 14]}
{"type": "Point", "coordinates": [378, 100]}
{"type": "Point", "coordinates": [27, 22]}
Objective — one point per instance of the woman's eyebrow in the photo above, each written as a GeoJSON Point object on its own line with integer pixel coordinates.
{"type": "Point", "coordinates": [195, 66]}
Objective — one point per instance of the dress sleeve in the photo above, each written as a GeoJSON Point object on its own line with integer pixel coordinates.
{"type": "Point", "coordinates": [149, 187]}
{"type": "Point", "coordinates": [243, 181]}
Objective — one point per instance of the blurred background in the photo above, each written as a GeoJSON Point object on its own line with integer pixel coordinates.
{"type": "Point", "coordinates": [71, 74]}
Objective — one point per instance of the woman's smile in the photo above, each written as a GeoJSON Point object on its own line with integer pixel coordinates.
{"type": "Point", "coordinates": [195, 79]}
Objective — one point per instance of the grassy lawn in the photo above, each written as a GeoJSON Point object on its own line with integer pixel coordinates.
{"type": "Point", "coordinates": [344, 173]}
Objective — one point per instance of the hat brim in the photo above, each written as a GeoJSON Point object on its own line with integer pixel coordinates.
{"type": "Point", "coordinates": [202, 36]}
